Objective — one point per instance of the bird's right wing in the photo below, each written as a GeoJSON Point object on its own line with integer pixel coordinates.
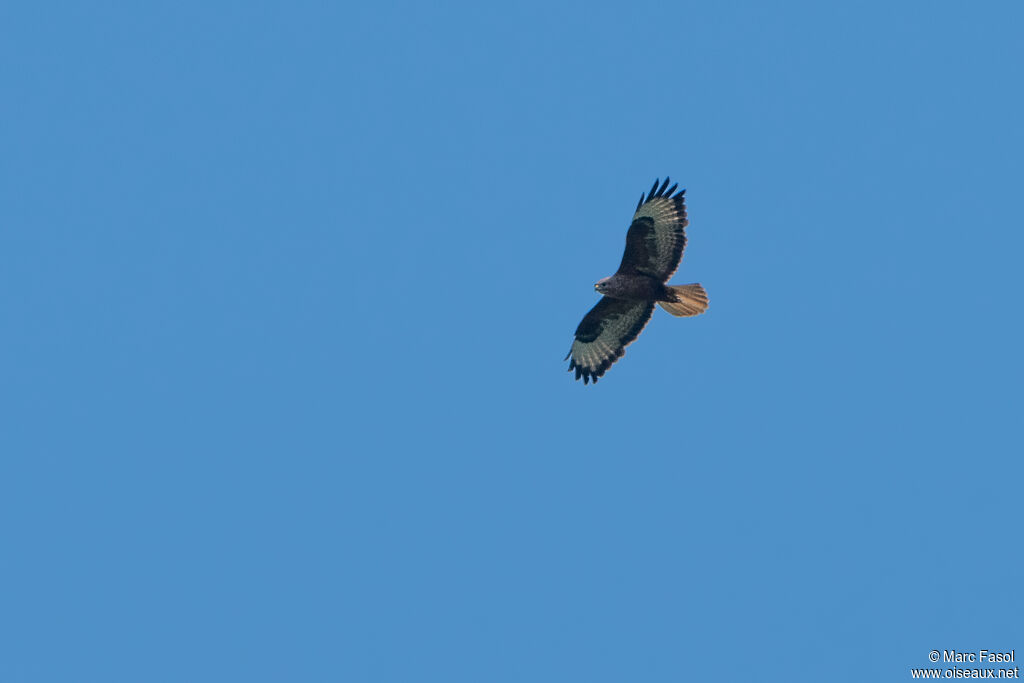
{"type": "Point", "coordinates": [604, 333]}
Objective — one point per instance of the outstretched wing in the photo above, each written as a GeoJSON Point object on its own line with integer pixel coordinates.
{"type": "Point", "coordinates": [604, 333]}
{"type": "Point", "coordinates": [657, 236]}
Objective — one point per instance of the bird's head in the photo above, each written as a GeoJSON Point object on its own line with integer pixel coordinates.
{"type": "Point", "coordinates": [602, 285]}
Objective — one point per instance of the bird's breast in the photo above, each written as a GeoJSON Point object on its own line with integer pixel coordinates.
{"type": "Point", "coordinates": [634, 287]}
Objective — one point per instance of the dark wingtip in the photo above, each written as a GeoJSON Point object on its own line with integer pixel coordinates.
{"type": "Point", "coordinates": [589, 375]}
{"type": "Point", "coordinates": [660, 189]}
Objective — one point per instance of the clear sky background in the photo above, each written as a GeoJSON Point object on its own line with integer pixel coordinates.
{"type": "Point", "coordinates": [286, 289]}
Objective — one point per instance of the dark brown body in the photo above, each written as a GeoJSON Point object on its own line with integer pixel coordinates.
{"type": "Point", "coordinates": [632, 287]}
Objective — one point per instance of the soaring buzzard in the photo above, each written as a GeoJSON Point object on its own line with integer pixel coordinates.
{"type": "Point", "coordinates": [654, 247]}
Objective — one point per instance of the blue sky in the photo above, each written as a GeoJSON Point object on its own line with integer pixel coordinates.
{"type": "Point", "coordinates": [287, 289]}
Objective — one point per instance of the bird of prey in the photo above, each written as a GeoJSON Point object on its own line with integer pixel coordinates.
{"type": "Point", "coordinates": [654, 248]}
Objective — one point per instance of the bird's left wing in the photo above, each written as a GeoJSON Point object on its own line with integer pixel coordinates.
{"type": "Point", "coordinates": [604, 333]}
{"type": "Point", "coordinates": [657, 236]}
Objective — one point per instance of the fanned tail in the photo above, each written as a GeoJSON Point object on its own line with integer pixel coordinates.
{"type": "Point", "coordinates": [690, 300]}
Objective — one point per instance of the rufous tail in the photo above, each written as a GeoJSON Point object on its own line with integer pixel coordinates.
{"type": "Point", "coordinates": [691, 300]}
